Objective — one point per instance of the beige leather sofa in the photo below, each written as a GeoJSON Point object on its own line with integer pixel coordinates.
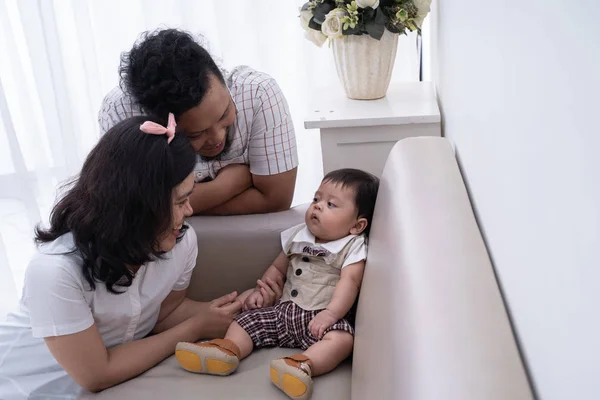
{"type": "Point", "coordinates": [431, 322]}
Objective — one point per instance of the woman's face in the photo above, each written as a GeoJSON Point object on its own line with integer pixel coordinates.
{"type": "Point", "coordinates": [180, 199]}
{"type": "Point", "coordinates": [207, 124]}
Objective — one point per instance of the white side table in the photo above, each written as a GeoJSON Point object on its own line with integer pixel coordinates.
{"type": "Point", "coordinates": [361, 133]}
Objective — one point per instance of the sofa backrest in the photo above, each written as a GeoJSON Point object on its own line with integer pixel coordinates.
{"type": "Point", "coordinates": [235, 251]}
{"type": "Point", "coordinates": [431, 322]}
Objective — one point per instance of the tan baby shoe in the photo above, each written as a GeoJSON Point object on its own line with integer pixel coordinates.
{"type": "Point", "coordinates": [216, 357]}
{"type": "Point", "coordinates": [293, 376]}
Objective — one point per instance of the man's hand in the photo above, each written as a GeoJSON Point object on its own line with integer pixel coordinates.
{"type": "Point", "coordinates": [268, 193]}
{"type": "Point", "coordinates": [321, 322]}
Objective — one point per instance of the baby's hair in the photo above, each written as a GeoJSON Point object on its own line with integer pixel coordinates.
{"type": "Point", "coordinates": [365, 186]}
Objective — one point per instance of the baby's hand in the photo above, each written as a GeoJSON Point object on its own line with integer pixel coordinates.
{"type": "Point", "coordinates": [254, 300]}
{"type": "Point", "coordinates": [271, 291]}
{"type": "Point", "coordinates": [265, 294]}
{"type": "Point", "coordinates": [321, 322]}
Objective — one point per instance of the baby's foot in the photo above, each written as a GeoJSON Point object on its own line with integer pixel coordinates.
{"type": "Point", "coordinates": [293, 376]}
{"type": "Point", "coordinates": [217, 357]}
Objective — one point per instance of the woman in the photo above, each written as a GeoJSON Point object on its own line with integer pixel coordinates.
{"type": "Point", "coordinates": [112, 268]}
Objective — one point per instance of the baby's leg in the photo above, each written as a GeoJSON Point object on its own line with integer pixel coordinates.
{"type": "Point", "coordinates": [293, 375]}
{"type": "Point", "coordinates": [329, 352]}
{"type": "Point", "coordinates": [215, 357]}
{"type": "Point", "coordinates": [222, 356]}
{"type": "Point", "coordinates": [240, 337]}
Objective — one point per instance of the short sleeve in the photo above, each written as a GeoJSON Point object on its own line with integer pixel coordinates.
{"type": "Point", "coordinates": [116, 107]}
{"type": "Point", "coordinates": [190, 250]}
{"type": "Point", "coordinates": [272, 146]}
{"type": "Point", "coordinates": [53, 293]}
{"type": "Point", "coordinates": [357, 252]}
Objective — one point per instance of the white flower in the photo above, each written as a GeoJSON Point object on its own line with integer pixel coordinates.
{"type": "Point", "coordinates": [423, 7]}
{"type": "Point", "coordinates": [305, 17]}
{"type": "Point", "coordinates": [367, 3]}
{"type": "Point", "coordinates": [332, 27]}
{"type": "Point", "coordinates": [315, 36]}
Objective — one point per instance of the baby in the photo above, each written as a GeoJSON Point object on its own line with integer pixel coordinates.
{"type": "Point", "coordinates": [322, 263]}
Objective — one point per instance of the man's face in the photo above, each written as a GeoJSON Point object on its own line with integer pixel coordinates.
{"type": "Point", "coordinates": [207, 124]}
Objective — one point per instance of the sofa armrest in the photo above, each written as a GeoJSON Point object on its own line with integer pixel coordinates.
{"type": "Point", "coordinates": [234, 251]}
{"type": "Point", "coordinates": [431, 323]}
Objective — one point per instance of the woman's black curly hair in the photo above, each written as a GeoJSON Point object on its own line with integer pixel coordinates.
{"type": "Point", "coordinates": [121, 202]}
{"type": "Point", "coordinates": [167, 71]}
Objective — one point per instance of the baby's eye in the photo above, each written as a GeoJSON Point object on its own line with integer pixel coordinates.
{"type": "Point", "coordinates": [315, 200]}
{"type": "Point", "coordinates": [330, 204]}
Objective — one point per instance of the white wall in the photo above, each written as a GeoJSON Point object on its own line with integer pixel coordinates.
{"type": "Point", "coordinates": [518, 84]}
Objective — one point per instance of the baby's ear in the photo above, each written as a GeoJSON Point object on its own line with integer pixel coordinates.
{"type": "Point", "coordinates": [359, 226]}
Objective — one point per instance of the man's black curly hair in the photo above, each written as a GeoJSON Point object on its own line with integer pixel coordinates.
{"type": "Point", "coordinates": [167, 71]}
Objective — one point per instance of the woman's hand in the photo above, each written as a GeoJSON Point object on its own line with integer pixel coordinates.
{"type": "Point", "coordinates": [213, 318]}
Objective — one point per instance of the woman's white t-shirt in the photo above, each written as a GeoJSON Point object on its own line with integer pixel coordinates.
{"type": "Point", "coordinates": [57, 301]}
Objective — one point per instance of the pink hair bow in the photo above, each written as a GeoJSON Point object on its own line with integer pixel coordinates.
{"type": "Point", "coordinates": [153, 128]}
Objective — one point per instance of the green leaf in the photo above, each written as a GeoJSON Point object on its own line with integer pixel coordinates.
{"type": "Point", "coordinates": [375, 31]}
{"type": "Point", "coordinates": [352, 8]}
{"type": "Point", "coordinates": [393, 28]}
{"type": "Point", "coordinates": [402, 15]}
{"type": "Point", "coordinates": [380, 17]}
{"type": "Point", "coordinates": [351, 31]}
{"type": "Point", "coordinates": [314, 25]}
{"type": "Point", "coordinates": [368, 14]}
{"type": "Point", "coordinates": [376, 26]}
{"type": "Point", "coordinates": [321, 11]}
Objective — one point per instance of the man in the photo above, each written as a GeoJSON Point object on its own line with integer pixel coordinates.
{"type": "Point", "coordinates": [239, 124]}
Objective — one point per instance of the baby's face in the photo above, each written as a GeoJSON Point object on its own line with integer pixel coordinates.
{"type": "Point", "coordinates": [333, 213]}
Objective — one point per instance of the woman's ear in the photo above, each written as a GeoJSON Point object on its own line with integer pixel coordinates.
{"type": "Point", "coordinates": [359, 226]}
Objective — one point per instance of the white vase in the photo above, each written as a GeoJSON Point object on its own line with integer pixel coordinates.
{"type": "Point", "coordinates": [364, 65]}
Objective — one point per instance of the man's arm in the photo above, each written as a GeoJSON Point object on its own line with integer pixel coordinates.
{"type": "Point", "coordinates": [116, 107]}
{"type": "Point", "coordinates": [270, 193]}
{"type": "Point", "coordinates": [230, 182]}
{"type": "Point", "coordinates": [272, 151]}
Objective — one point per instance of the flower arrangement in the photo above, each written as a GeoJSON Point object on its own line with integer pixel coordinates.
{"type": "Point", "coordinates": [332, 19]}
